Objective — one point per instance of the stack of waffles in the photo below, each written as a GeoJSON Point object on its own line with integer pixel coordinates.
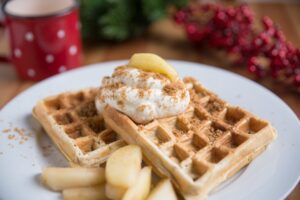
{"type": "Point", "coordinates": [72, 122]}
{"type": "Point", "coordinates": [200, 148]}
{"type": "Point", "coordinates": [197, 149]}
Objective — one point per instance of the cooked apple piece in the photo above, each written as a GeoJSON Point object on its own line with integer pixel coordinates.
{"type": "Point", "coordinates": [62, 178]}
{"type": "Point", "coordinates": [153, 63]}
{"type": "Point", "coordinates": [114, 192]}
{"type": "Point", "coordinates": [141, 188]}
{"type": "Point", "coordinates": [85, 193]}
{"type": "Point", "coordinates": [123, 166]}
{"type": "Point", "coordinates": [163, 190]}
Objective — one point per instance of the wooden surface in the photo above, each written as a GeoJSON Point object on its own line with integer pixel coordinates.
{"type": "Point", "coordinates": [167, 39]}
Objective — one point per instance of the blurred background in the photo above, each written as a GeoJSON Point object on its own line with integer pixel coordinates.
{"type": "Point", "coordinates": [113, 30]}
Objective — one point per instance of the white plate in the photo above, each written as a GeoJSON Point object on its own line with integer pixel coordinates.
{"type": "Point", "coordinates": [271, 176]}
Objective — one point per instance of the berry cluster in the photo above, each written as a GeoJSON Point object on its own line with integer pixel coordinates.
{"type": "Point", "coordinates": [265, 53]}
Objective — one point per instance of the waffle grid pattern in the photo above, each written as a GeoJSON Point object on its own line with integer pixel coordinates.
{"type": "Point", "coordinates": [200, 138]}
{"type": "Point", "coordinates": [77, 115]}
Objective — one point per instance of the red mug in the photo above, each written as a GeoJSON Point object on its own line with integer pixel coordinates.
{"type": "Point", "coordinates": [44, 36]}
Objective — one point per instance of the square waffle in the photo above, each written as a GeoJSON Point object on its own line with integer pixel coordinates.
{"type": "Point", "coordinates": [200, 148]}
{"type": "Point", "coordinates": [72, 122]}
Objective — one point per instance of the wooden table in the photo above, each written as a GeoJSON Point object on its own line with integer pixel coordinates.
{"type": "Point", "coordinates": [168, 40]}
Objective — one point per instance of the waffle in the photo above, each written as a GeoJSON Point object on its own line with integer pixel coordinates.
{"type": "Point", "coordinates": [201, 147]}
{"type": "Point", "coordinates": [71, 121]}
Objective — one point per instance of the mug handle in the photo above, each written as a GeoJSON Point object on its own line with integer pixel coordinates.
{"type": "Point", "coordinates": [3, 58]}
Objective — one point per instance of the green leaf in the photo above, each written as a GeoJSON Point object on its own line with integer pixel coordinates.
{"type": "Point", "coordinates": [178, 3]}
{"type": "Point", "coordinates": [114, 24]}
{"type": "Point", "coordinates": [154, 9]}
{"type": "Point", "coordinates": [89, 12]}
{"type": "Point", "coordinates": [120, 19]}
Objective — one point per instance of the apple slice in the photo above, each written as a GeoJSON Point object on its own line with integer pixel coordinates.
{"type": "Point", "coordinates": [114, 192]}
{"type": "Point", "coordinates": [59, 179]}
{"type": "Point", "coordinates": [153, 63]}
{"type": "Point", "coordinates": [85, 193]}
{"type": "Point", "coordinates": [141, 188]}
{"type": "Point", "coordinates": [163, 190]}
{"type": "Point", "coordinates": [123, 166]}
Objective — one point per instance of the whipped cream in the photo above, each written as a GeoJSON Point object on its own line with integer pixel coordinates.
{"type": "Point", "coordinates": [141, 95]}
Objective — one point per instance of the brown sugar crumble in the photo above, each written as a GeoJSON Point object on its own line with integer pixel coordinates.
{"type": "Point", "coordinates": [172, 88]}
{"type": "Point", "coordinates": [195, 99]}
{"type": "Point", "coordinates": [11, 137]}
{"type": "Point", "coordinates": [6, 130]}
{"type": "Point", "coordinates": [141, 93]}
{"type": "Point", "coordinates": [22, 133]}
{"type": "Point", "coordinates": [214, 134]}
{"type": "Point", "coordinates": [19, 135]}
{"type": "Point", "coordinates": [182, 95]}
{"type": "Point", "coordinates": [179, 132]}
{"type": "Point", "coordinates": [144, 75]}
{"type": "Point", "coordinates": [115, 85]}
{"type": "Point", "coordinates": [88, 110]}
{"type": "Point", "coordinates": [124, 95]}
{"type": "Point", "coordinates": [141, 108]}
{"type": "Point", "coordinates": [111, 87]}
{"type": "Point", "coordinates": [120, 70]}
{"type": "Point", "coordinates": [196, 122]}
{"type": "Point", "coordinates": [64, 118]}
{"type": "Point", "coordinates": [121, 103]}
{"type": "Point", "coordinates": [214, 106]}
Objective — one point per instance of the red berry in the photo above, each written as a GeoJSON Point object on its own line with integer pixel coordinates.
{"type": "Point", "coordinates": [260, 73]}
{"type": "Point", "coordinates": [297, 80]}
{"type": "Point", "coordinates": [231, 12]}
{"type": "Point", "coordinates": [265, 38]}
{"type": "Point", "coordinates": [279, 35]}
{"type": "Point", "coordinates": [267, 22]}
{"type": "Point", "coordinates": [221, 16]}
{"type": "Point", "coordinates": [274, 52]}
{"type": "Point", "coordinates": [282, 53]}
{"type": "Point", "coordinates": [231, 29]}
{"type": "Point", "coordinates": [252, 68]}
{"type": "Point", "coordinates": [180, 16]}
{"type": "Point", "coordinates": [258, 42]}
{"type": "Point", "coordinates": [191, 28]}
{"type": "Point", "coordinates": [253, 60]}
{"type": "Point", "coordinates": [246, 11]}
